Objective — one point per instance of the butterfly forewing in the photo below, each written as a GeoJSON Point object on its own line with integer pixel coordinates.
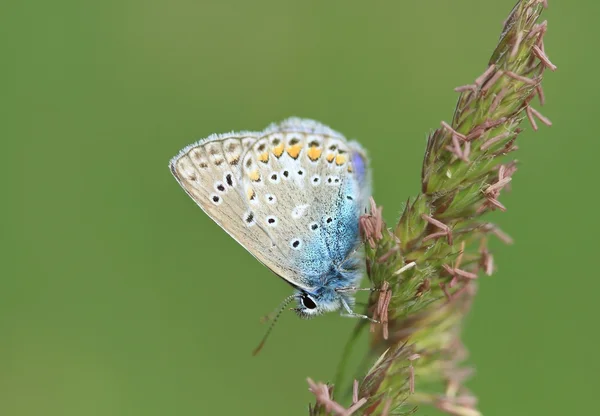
{"type": "Point", "coordinates": [290, 195]}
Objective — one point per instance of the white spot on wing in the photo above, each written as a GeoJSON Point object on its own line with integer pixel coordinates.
{"type": "Point", "coordinates": [299, 211]}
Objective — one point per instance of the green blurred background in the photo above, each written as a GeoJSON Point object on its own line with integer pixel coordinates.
{"type": "Point", "coordinates": [118, 296]}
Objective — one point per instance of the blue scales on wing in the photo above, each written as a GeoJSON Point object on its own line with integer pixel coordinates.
{"type": "Point", "coordinates": [307, 195]}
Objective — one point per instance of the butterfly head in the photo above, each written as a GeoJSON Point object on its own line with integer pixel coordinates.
{"type": "Point", "coordinates": [311, 304]}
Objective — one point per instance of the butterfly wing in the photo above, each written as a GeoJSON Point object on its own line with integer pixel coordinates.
{"type": "Point", "coordinates": [308, 195]}
{"type": "Point", "coordinates": [210, 173]}
{"type": "Point", "coordinates": [290, 195]}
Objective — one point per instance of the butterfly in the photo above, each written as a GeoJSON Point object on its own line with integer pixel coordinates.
{"type": "Point", "coordinates": [291, 195]}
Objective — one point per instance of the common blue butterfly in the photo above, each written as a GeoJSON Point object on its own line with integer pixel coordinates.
{"type": "Point", "coordinates": [292, 196]}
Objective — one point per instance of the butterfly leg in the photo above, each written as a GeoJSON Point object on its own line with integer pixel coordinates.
{"type": "Point", "coordinates": [356, 289]}
{"type": "Point", "coordinates": [351, 314]}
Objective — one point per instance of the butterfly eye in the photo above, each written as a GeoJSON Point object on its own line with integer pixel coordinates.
{"type": "Point", "coordinates": [307, 302]}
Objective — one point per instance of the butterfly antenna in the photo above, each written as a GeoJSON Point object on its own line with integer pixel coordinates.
{"type": "Point", "coordinates": [280, 309]}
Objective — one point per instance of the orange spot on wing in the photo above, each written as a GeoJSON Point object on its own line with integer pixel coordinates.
{"type": "Point", "coordinates": [314, 153]}
{"type": "Point", "coordinates": [278, 150]}
{"type": "Point", "coordinates": [340, 160]}
{"type": "Point", "coordinates": [250, 193]}
{"type": "Point", "coordinates": [350, 170]}
{"type": "Point", "coordinates": [254, 176]}
{"type": "Point", "coordinates": [330, 157]}
{"type": "Point", "coordinates": [294, 151]}
{"type": "Point", "coordinates": [264, 157]}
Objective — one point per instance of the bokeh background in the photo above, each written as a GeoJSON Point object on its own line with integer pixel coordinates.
{"type": "Point", "coordinates": [118, 296]}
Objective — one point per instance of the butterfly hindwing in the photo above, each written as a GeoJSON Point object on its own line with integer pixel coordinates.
{"type": "Point", "coordinates": [307, 195]}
